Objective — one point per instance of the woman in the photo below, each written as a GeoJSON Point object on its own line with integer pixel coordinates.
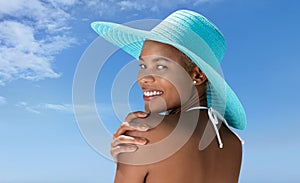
{"type": "Point", "coordinates": [178, 63]}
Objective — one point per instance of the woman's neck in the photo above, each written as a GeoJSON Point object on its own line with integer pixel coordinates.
{"type": "Point", "coordinates": [193, 101]}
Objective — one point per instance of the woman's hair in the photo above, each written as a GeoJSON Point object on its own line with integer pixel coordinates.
{"type": "Point", "coordinates": [190, 65]}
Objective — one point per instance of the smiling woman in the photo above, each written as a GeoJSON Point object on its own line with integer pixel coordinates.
{"type": "Point", "coordinates": [188, 105]}
{"type": "Point", "coordinates": [161, 72]}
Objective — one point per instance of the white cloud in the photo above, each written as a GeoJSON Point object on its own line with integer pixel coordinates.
{"type": "Point", "coordinates": [64, 2]}
{"type": "Point", "coordinates": [156, 5]}
{"type": "Point", "coordinates": [117, 7]}
{"type": "Point", "coordinates": [32, 110]}
{"type": "Point", "coordinates": [60, 107]}
{"type": "Point", "coordinates": [27, 107]}
{"type": "Point", "coordinates": [125, 5]}
{"type": "Point", "coordinates": [44, 107]}
{"type": "Point", "coordinates": [20, 104]}
{"type": "Point", "coordinates": [12, 6]}
{"type": "Point", "coordinates": [21, 55]}
{"type": "Point", "coordinates": [200, 2]}
{"type": "Point", "coordinates": [32, 32]}
{"type": "Point", "coordinates": [2, 100]}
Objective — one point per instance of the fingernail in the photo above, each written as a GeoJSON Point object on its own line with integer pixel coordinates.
{"type": "Point", "coordinates": [144, 141]}
{"type": "Point", "coordinates": [141, 141]}
{"type": "Point", "coordinates": [132, 148]}
{"type": "Point", "coordinates": [145, 114]}
{"type": "Point", "coordinates": [144, 127]}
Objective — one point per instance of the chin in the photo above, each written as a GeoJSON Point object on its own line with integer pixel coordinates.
{"type": "Point", "coordinates": [155, 109]}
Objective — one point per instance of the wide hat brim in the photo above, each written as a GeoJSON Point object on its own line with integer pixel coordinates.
{"type": "Point", "coordinates": [220, 95]}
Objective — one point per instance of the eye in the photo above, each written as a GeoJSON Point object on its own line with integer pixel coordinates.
{"type": "Point", "coordinates": [142, 66]}
{"type": "Point", "coordinates": [161, 67]}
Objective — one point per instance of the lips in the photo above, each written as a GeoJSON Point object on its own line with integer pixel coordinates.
{"type": "Point", "coordinates": [150, 94]}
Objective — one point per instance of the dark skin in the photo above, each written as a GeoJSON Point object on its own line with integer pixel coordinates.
{"type": "Point", "coordinates": [188, 164]}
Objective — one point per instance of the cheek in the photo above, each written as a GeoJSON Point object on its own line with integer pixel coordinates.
{"type": "Point", "coordinates": [181, 84]}
{"type": "Point", "coordinates": [178, 90]}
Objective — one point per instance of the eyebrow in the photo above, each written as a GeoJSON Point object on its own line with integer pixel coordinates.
{"type": "Point", "coordinates": [156, 59]}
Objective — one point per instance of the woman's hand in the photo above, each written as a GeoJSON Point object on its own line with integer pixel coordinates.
{"type": "Point", "coordinates": [122, 143]}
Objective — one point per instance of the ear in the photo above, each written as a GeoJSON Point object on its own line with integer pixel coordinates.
{"type": "Point", "coordinates": [198, 76]}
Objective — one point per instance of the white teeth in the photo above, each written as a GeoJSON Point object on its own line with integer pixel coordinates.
{"type": "Point", "coordinates": [152, 93]}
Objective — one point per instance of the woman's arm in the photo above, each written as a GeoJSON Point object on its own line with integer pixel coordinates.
{"type": "Point", "coordinates": [123, 143]}
{"type": "Point", "coordinates": [131, 166]}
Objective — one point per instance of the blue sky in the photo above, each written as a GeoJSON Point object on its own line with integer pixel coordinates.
{"type": "Point", "coordinates": [41, 43]}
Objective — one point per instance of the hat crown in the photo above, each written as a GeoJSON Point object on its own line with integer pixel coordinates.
{"type": "Point", "coordinates": [196, 33]}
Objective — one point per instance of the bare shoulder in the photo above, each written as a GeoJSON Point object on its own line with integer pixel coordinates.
{"type": "Point", "coordinates": [161, 127]}
{"type": "Point", "coordinates": [134, 166]}
{"type": "Point", "coordinates": [158, 127]}
{"type": "Point", "coordinates": [230, 156]}
{"type": "Point", "coordinates": [231, 140]}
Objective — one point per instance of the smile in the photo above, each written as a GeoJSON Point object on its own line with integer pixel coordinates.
{"type": "Point", "coordinates": [152, 93]}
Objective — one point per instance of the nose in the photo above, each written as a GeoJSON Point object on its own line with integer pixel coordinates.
{"type": "Point", "coordinates": [146, 79]}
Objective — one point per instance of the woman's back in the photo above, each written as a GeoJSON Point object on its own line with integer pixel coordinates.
{"type": "Point", "coordinates": [188, 164]}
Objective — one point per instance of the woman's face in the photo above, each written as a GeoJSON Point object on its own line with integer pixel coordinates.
{"type": "Point", "coordinates": [163, 77]}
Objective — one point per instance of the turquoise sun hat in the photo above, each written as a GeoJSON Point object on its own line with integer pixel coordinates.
{"type": "Point", "coordinates": [199, 39]}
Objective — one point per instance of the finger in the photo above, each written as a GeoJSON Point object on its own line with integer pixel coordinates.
{"type": "Point", "coordinates": [122, 129]}
{"type": "Point", "coordinates": [134, 115]}
{"type": "Point", "coordinates": [139, 125]}
{"type": "Point", "coordinates": [123, 139]}
{"type": "Point", "coordinates": [115, 151]}
{"type": "Point", "coordinates": [130, 126]}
